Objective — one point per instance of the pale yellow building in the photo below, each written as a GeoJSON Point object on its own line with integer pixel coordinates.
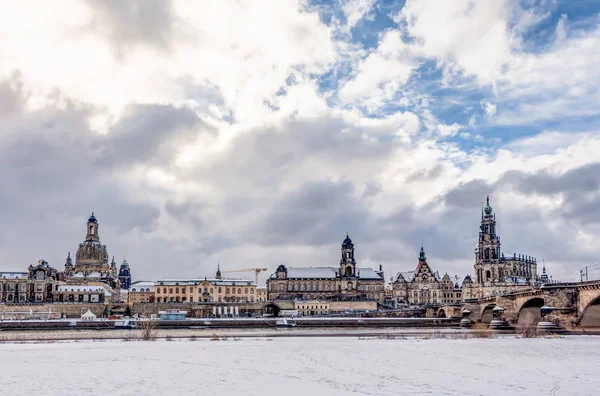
{"type": "Point", "coordinates": [206, 290]}
{"type": "Point", "coordinates": [141, 292]}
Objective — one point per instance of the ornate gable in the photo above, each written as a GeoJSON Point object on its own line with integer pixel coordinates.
{"type": "Point", "coordinates": [423, 272]}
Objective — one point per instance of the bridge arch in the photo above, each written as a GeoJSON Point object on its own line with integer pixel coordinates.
{"type": "Point", "coordinates": [271, 309]}
{"type": "Point", "coordinates": [530, 311]}
{"type": "Point", "coordinates": [441, 313]}
{"type": "Point", "coordinates": [591, 314]}
{"type": "Point", "coordinates": [487, 313]}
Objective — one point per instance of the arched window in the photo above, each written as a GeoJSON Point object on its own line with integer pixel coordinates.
{"type": "Point", "coordinates": [176, 290]}
{"type": "Point", "coordinates": [227, 291]}
{"type": "Point", "coordinates": [170, 290]}
{"type": "Point", "coordinates": [239, 290]}
{"type": "Point", "coordinates": [219, 289]}
{"type": "Point", "coordinates": [295, 287]}
{"type": "Point", "coordinates": [488, 274]}
{"type": "Point", "coordinates": [349, 286]}
{"type": "Point", "coordinates": [133, 289]}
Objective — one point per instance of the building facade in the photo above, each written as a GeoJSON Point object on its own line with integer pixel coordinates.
{"type": "Point", "coordinates": [312, 307]}
{"type": "Point", "coordinates": [345, 282]}
{"type": "Point", "coordinates": [496, 274]}
{"type": "Point", "coordinates": [94, 292]}
{"type": "Point", "coordinates": [423, 286]}
{"type": "Point", "coordinates": [37, 285]}
{"type": "Point", "coordinates": [141, 292]}
{"type": "Point", "coordinates": [205, 290]}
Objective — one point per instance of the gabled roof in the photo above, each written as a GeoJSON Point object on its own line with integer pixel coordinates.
{"type": "Point", "coordinates": [407, 276]}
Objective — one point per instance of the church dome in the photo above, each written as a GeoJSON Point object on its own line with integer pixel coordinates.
{"type": "Point", "coordinates": [92, 219]}
{"type": "Point", "coordinates": [91, 252]}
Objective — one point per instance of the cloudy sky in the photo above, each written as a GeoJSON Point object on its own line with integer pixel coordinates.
{"type": "Point", "coordinates": [254, 133]}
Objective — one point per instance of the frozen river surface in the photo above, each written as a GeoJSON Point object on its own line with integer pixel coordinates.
{"type": "Point", "coordinates": [304, 366]}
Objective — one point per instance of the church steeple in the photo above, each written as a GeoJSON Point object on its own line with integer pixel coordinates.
{"type": "Point", "coordinates": [68, 264]}
{"type": "Point", "coordinates": [218, 274]}
{"type": "Point", "coordinates": [92, 229]}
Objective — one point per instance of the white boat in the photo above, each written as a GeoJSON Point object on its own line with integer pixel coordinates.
{"type": "Point", "coordinates": [284, 322]}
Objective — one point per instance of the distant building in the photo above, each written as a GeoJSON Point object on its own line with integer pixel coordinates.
{"type": "Point", "coordinates": [261, 294]}
{"type": "Point", "coordinates": [423, 286]}
{"type": "Point", "coordinates": [36, 285]}
{"type": "Point", "coordinates": [141, 292]}
{"type": "Point", "coordinates": [345, 282]}
{"type": "Point", "coordinates": [205, 290]}
{"type": "Point", "coordinates": [124, 275]}
{"type": "Point", "coordinates": [312, 307]}
{"type": "Point", "coordinates": [494, 273]}
{"type": "Point", "coordinates": [97, 292]}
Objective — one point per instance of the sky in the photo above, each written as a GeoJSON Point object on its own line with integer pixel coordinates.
{"type": "Point", "coordinates": [257, 133]}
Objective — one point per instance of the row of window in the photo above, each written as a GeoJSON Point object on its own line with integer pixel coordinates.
{"type": "Point", "coordinates": [206, 290]}
{"type": "Point", "coordinates": [191, 300]}
{"type": "Point", "coordinates": [313, 307]}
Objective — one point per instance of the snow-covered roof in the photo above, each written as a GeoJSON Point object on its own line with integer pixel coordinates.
{"type": "Point", "coordinates": [367, 273]}
{"type": "Point", "coordinates": [83, 288]}
{"type": "Point", "coordinates": [408, 276]}
{"type": "Point", "coordinates": [197, 282]}
{"type": "Point", "coordinates": [94, 274]}
{"type": "Point", "coordinates": [326, 273]}
{"type": "Point", "coordinates": [312, 272]}
{"type": "Point", "coordinates": [13, 275]}
{"type": "Point", "coordinates": [142, 287]}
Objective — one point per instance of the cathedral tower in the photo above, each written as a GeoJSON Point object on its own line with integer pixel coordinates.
{"type": "Point", "coordinates": [494, 273]}
{"type": "Point", "coordinates": [487, 251]}
{"type": "Point", "coordinates": [347, 262]}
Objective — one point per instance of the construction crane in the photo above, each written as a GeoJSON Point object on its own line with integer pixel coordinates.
{"type": "Point", "coordinates": [255, 270]}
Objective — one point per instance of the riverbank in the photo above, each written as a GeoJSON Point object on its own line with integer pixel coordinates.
{"type": "Point", "coordinates": [225, 333]}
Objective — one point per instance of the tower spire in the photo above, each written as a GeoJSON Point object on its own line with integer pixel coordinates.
{"type": "Point", "coordinates": [218, 274]}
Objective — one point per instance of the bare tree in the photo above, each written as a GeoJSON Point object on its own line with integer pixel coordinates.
{"type": "Point", "coordinates": [527, 326]}
{"type": "Point", "coordinates": [148, 328]}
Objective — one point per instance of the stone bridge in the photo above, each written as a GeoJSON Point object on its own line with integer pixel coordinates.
{"type": "Point", "coordinates": [573, 305]}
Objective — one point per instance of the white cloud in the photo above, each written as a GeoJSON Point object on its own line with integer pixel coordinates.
{"type": "Point", "coordinates": [379, 76]}
{"type": "Point", "coordinates": [489, 108]}
{"type": "Point", "coordinates": [448, 130]}
{"type": "Point", "coordinates": [355, 10]}
{"type": "Point", "coordinates": [466, 36]}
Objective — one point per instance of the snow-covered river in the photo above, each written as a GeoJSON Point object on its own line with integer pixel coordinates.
{"type": "Point", "coordinates": [304, 366]}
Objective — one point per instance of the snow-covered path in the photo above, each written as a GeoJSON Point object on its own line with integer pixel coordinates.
{"type": "Point", "coordinates": [305, 366]}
